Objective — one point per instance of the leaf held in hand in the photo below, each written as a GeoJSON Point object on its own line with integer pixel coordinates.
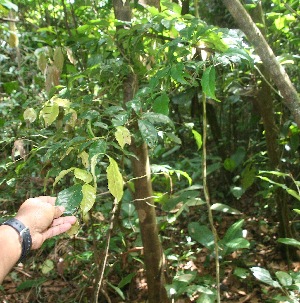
{"type": "Point", "coordinates": [70, 198]}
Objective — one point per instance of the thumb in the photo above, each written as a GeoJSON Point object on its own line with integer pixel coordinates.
{"type": "Point", "coordinates": [59, 210]}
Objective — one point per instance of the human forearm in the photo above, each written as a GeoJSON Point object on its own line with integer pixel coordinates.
{"type": "Point", "coordinates": [43, 220]}
{"type": "Point", "coordinates": [10, 249]}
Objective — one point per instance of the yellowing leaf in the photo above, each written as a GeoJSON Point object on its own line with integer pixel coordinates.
{"type": "Point", "coordinates": [30, 115]}
{"type": "Point", "coordinates": [85, 159]}
{"type": "Point", "coordinates": [49, 113]}
{"type": "Point", "coordinates": [89, 197]}
{"type": "Point", "coordinates": [123, 136]}
{"type": "Point", "coordinates": [74, 229]}
{"type": "Point", "coordinates": [52, 76]}
{"type": "Point", "coordinates": [42, 62]}
{"type": "Point", "coordinates": [62, 174]}
{"type": "Point", "coordinates": [73, 117]}
{"type": "Point", "coordinates": [198, 138]}
{"type": "Point", "coordinates": [71, 56]}
{"type": "Point", "coordinates": [13, 40]}
{"type": "Point", "coordinates": [83, 175]}
{"type": "Point", "coordinates": [115, 180]}
{"type": "Point", "coordinates": [61, 102]}
{"type": "Point", "coordinates": [58, 58]}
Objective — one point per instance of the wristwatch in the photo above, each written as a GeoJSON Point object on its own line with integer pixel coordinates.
{"type": "Point", "coordinates": [25, 237]}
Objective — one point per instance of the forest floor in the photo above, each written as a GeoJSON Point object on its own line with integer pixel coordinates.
{"type": "Point", "coordinates": [31, 283]}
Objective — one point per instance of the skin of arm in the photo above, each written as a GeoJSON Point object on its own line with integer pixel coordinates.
{"type": "Point", "coordinates": [44, 221]}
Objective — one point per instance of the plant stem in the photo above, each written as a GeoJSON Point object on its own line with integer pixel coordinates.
{"type": "Point", "coordinates": [207, 198]}
{"type": "Point", "coordinates": [101, 269]}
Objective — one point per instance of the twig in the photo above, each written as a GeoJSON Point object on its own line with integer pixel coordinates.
{"type": "Point", "coordinates": [292, 10]}
{"type": "Point", "coordinates": [99, 281]}
{"type": "Point", "coordinates": [271, 86]}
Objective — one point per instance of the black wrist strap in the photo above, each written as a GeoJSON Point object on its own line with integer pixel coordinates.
{"type": "Point", "coordinates": [25, 236]}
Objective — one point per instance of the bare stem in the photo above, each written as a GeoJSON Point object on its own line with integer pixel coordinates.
{"type": "Point", "coordinates": [207, 198]}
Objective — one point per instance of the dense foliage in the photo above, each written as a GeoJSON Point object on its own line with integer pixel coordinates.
{"type": "Point", "coordinates": [81, 89]}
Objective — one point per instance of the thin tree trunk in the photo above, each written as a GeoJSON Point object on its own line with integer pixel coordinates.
{"type": "Point", "coordinates": [272, 66]}
{"type": "Point", "coordinates": [153, 253]}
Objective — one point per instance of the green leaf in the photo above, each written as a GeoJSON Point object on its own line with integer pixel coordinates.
{"type": "Point", "coordinates": [283, 186]}
{"type": "Point", "coordinates": [248, 176]}
{"type": "Point", "coordinates": [264, 276]}
{"type": "Point", "coordinates": [115, 179]}
{"type": "Point", "coordinates": [89, 198]}
{"type": "Point", "coordinates": [239, 53]}
{"type": "Point", "coordinates": [234, 231]}
{"type": "Point", "coordinates": [289, 241]}
{"type": "Point", "coordinates": [70, 198]}
{"type": "Point", "coordinates": [174, 7]}
{"type": "Point", "coordinates": [122, 135]}
{"type": "Point", "coordinates": [157, 118]}
{"type": "Point", "coordinates": [126, 280]}
{"type": "Point", "coordinates": [229, 164]}
{"type": "Point", "coordinates": [185, 278]}
{"type": "Point", "coordinates": [97, 148]}
{"type": "Point", "coordinates": [225, 209]}
{"type": "Point", "coordinates": [148, 132]}
{"type": "Point", "coordinates": [241, 272]}
{"type": "Point", "coordinates": [237, 191]}
{"type": "Point", "coordinates": [62, 174]}
{"type": "Point", "coordinates": [198, 138]}
{"type": "Point", "coordinates": [297, 211]}
{"type": "Point", "coordinates": [49, 113]}
{"type": "Point", "coordinates": [83, 175]}
{"type": "Point", "coordinates": [117, 290]}
{"type": "Point", "coordinates": [31, 283]}
{"type": "Point", "coordinates": [9, 5]}
{"type": "Point", "coordinates": [284, 278]}
{"type": "Point", "coordinates": [202, 234]}
{"type": "Point", "coordinates": [177, 72]}
{"type": "Point", "coordinates": [47, 266]}
{"type": "Point", "coordinates": [204, 298]}
{"type": "Point", "coordinates": [161, 104]}
{"type": "Point", "coordinates": [208, 82]}
{"type": "Point", "coordinates": [238, 243]}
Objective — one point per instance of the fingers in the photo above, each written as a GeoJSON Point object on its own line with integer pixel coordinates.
{"type": "Point", "coordinates": [62, 220]}
{"type": "Point", "coordinates": [58, 211]}
{"type": "Point", "coordinates": [56, 230]}
{"type": "Point", "coordinates": [47, 199]}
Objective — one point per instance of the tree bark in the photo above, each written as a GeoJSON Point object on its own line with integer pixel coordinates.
{"type": "Point", "coordinates": [265, 106]}
{"type": "Point", "coordinates": [272, 66]}
{"type": "Point", "coordinates": [153, 253]}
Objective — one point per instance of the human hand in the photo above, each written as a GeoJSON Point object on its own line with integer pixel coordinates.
{"type": "Point", "coordinates": [43, 219]}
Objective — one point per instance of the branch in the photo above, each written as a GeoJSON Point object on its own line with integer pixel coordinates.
{"type": "Point", "coordinates": [272, 66]}
{"type": "Point", "coordinates": [2, 19]}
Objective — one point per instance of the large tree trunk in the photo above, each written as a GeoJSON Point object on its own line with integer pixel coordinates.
{"type": "Point", "coordinates": [272, 66]}
{"type": "Point", "coordinates": [153, 253]}
{"type": "Point", "coordinates": [264, 102]}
